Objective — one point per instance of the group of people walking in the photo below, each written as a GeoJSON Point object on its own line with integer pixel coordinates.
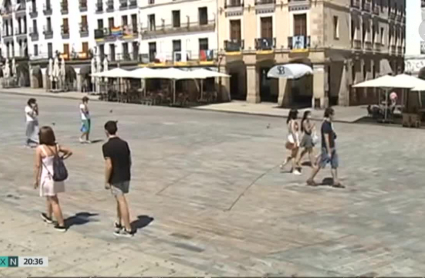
{"type": "Point", "coordinates": [50, 172]}
{"type": "Point", "coordinates": [301, 140]}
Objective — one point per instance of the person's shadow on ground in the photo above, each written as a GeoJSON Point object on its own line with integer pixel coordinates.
{"type": "Point", "coordinates": [141, 222]}
{"type": "Point", "coordinates": [97, 141]}
{"type": "Point", "coordinates": [80, 218]}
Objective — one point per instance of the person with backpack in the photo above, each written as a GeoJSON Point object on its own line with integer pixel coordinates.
{"type": "Point", "coordinates": [50, 175]}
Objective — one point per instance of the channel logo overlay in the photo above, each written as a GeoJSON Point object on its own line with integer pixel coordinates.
{"type": "Point", "coordinates": [13, 261]}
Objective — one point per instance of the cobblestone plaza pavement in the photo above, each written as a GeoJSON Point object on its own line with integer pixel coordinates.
{"type": "Point", "coordinates": [210, 200]}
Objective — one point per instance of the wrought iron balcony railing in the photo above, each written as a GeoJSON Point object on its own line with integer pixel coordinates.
{"type": "Point", "coordinates": [233, 45]}
{"type": "Point", "coordinates": [265, 43]}
{"type": "Point", "coordinates": [299, 42]}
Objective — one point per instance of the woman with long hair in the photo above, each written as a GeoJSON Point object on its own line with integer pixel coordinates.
{"type": "Point", "coordinates": [293, 143]}
{"type": "Point", "coordinates": [43, 169]}
{"type": "Point", "coordinates": [307, 142]}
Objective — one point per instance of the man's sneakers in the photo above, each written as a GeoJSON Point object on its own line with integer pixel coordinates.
{"type": "Point", "coordinates": [46, 219]}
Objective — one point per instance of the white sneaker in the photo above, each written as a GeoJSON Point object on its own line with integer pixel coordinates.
{"type": "Point", "coordinates": [82, 141]}
{"type": "Point", "coordinates": [296, 173]}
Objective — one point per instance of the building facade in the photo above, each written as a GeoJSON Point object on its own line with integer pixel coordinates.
{"type": "Point", "coordinates": [415, 46]}
{"type": "Point", "coordinates": [79, 30]}
{"type": "Point", "coordinates": [344, 41]}
{"type": "Point", "coordinates": [178, 33]}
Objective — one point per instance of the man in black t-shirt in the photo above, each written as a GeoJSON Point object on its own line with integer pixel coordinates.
{"type": "Point", "coordinates": [117, 176]}
{"type": "Point", "coordinates": [329, 154]}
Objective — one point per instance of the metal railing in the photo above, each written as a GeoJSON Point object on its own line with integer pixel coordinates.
{"type": "Point", "coordinates": [264, 2]}
{"type": "Point", "coordinates": [233, 3]}
{"type": "Point", "coordinates": [184, 27]}
{"type": "Point", "coordinates": [47, 9]}
{"type": "Point", "coordinates": [99, 7]}
{"type": "Point", "coordinates": [123, 4]}
{"type": "Point", "coordinates": [84, 30]}
{"type": "Point", "coordinates": [20, 31]}
{"type": "Point", "coordinates": [265, 43]}
{"type": "Point", "coordinates": [48, 32]}
{"type": "Point", "coordinates": [22, 7]}
{"type": "Point", "coordinates": [299, 42]}
{"type": "Point", "coordinates": [233, 45]}
{"type": "Point", "coordinates": [179, 57]}
{"type": "Point", "coordinates": [110, 6]}
{"type": "Point", "coordinates": [83, 5]}
{"type": "Point", "coordinates": [64, 7]}
{"type": "Point", "coordinates": [33, 11]}
{"type": "Point", "coordinates": [133, 4]}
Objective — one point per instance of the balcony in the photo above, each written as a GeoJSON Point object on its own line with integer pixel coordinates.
{"type": "Point", "coordinates": [264, 2]}
{"type": "Point", "coordinates": [356, 44]}
{"type": "Point", "coordinates": [34, 34]}
{"type": "Point", "coordinates": [99, 7]}
{"type": "Point", "coordinates": [33, 11]}
{"type": "Point", "coordinates": [368, 45]}
{"type": "Point", "coordinates": [47, 9]}
{"type": "Point", "coordinates": [377, 46]}
{"type": "Point", "coordinates": [65, 32]}
{"type": "Point", "coordinates": [110, 6]}
{"type": "Point", "coordinates": [296, 5]}
{"type": "Point", "coordinates": [393, 49]}
{"type": "Point", "coordinates": [6, 11]}
{"type": "Point", "coordinates": [7, 34]}
{"type": "Point", "coordinates": [84, 30]}
{"type": "Point", "coordinates": [105, 34]}
{"type": "Point", "coordinates": [20, 32]}
{"type": "Point", "coordinates": [366, 6]}
{"type": "Point", "coordinates": [233, 3]}
{"type": "Point", "coordinates": [234, 45]}
{"type": "Point", "coordinates": [83, 5]}
{"type": "Point", "coordinates": [375, 9]}
{"type": "Point", "coordinates": [184, 28]}
{"type": "Point", "coordinates": [48, 32]}
{"type": "Point", "coordinates": [355, 4]}
{"type": "Point", "coordinates": [21, 9]}
{"type": "Point", "coordinates": [265, 44]}
{"type": "Point", "coordinates": [64, 7]}
{"type": "Point", "coordinates": [123, 4]}
{"type": "Point", "coordinates": [133, 4]}
{"type": "Point", "coordinates": [99, 34]}
{"type": "Point", "coordinates": [299, 43]}
{"type": "Point", "coordinates": [392, 15]}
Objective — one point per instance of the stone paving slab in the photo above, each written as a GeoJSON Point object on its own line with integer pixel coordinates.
{"type": "Point", "coordinates": [207, 189]}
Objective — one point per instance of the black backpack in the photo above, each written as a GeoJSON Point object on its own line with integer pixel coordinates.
{"type": "Point", "coordinates": [60, 173]}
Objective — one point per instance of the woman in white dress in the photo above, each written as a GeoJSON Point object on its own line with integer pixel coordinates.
{"type": "Point", "coordinates": [44, 158]}
{"type": "Point", "coordinates": [293, 141]}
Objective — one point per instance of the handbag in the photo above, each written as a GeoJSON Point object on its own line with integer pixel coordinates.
{"type": "Point", "coordinates": [314, 138]}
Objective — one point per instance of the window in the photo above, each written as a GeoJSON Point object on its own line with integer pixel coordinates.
{"type": "Point", "coordinates": [177, 47]}
{"type": "Point", "coordinates": [382, 35]}
{"type": "Point", "coordinates": [152, 51]}
{"type": "Point", "coordinates": [373, 33]}
{"type": "Point", "coordinates": [65, 26]}
{"type": "Point", "coordinates": [382, 5]}
{"type": "Point", "coordinates": [66, 50]}
{"type": "Point", "coordinates": [102, 51]}
{"type": "Point", "coordinates": [364, 32]}
{"type": "Point", "coordinates": [152, 24]}
{"type": "Point", "coordinates": [100, 24]}
{"type": "Point", "coordinates": [235, 30]}
{"type": "Point", "coordinates": [203, 44]}
{"type": "Point", "coordinates": [34, 26]}
{"type": "Point", "coordinates": [35, 49]}
{"type": "Point", "coordinates": [266, 27]}
{"type": "Point", "coordinates": [176, 18]}
{"type": "Point", "coordinates": [50, 50]}
{"type": "Point", "coordinates": [49, 24]}
{"type": "Point", "coordinates": [124, 20]}
{"type": "Point", "coordinates": [135, 51]}
{"type": "Point", "coordinates": [134, 22]}
{"type": "Point", "coordinates": [151, 2]}
{"type": "Point", "coordinates": [300, 25]}
{"type": "Point", "coordinates": [111, 23]}
{"type": "Point", "coordinates": [112, 52]}
{"type": "Point", "coordinates": [85, 48]}
{"type": "Point", "coordinates": [364, 72]}
{"type": "Point", "coordinates": [353, 30]}
{"type": "Point", "coordinates": [84, 21]}
{"type": "Point", "coordinates": [336, 27]}
{"type": "Point", "coordinates": [203, 16]}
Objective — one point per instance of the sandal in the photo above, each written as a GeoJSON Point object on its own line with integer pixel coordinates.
{"type": "Point", "coordinates": [311, 183]}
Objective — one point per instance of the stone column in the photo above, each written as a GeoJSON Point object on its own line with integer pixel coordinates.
{"type": "Point", "coordinates": [223, 85]}
{"type": "Point", "coordinates": [253, 84]}
{"type": "Point", "coordinates": [283, 98]}
{"type": "Point", "coordinates": [45, 78]}
{"type": "Point", "coordinates": [320, 86]}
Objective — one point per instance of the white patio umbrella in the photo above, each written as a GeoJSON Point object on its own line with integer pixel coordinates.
{"type": "Point", "coordinates": [419, 84]}
{"type": "Point", "coordinates": [203, 74]}
{"type": "Point", "coordinates": [386, 82]}
{"type": "Point", "coordinates": [114, 73]}
{"type": "Point", "coordinates": [290, 71]}
{"type": "Point", "coordinates": [63, 73]}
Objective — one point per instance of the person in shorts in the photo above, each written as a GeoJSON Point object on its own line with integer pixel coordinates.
{"type": "Point", "coordinates": [329, 154]}
{"type": "Point", "coordinates": [117, 176]}
{"type": "Point", "coordinates": [85, 121]}
{"type": "Point", "coordinates": [31, 116]}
